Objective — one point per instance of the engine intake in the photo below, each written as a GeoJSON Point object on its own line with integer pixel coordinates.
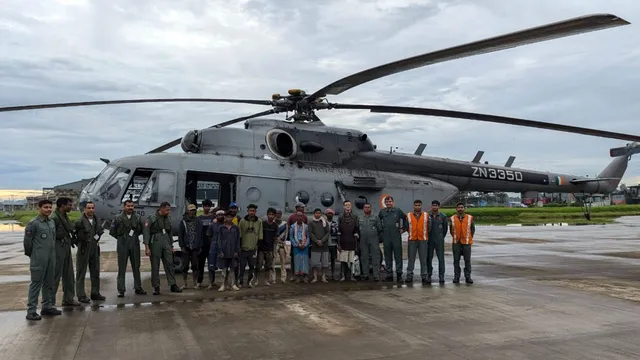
{"type": "Point", "coordinates": [282, 144]}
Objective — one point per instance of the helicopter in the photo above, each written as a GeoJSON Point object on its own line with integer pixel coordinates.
{"type": "Point", "coordinates": [279, 163]}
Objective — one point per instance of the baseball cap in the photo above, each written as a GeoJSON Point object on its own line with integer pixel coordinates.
{"type": "Point", "coordinates": [233, 204]}
{"type": "Point", "coordinates": [191, 207]}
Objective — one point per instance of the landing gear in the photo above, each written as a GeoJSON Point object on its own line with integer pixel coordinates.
{"type": "Point", "coordinates": [585, 205]}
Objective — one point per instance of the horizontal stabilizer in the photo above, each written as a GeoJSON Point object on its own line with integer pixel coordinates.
{"type": "Point", "coordinates": [584, 181]}
{"type": "Point", "coordinates": [420, 149]}
{"type": "Point", "coordinates": [630, 149]}
{"type": "Point", "coordinates": [106, 161]}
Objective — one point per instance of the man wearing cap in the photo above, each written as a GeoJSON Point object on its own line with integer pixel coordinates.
{"type": "Point", "coordinates": [290, 221]}
{"type": "Point", "coordinates": [333, 240]}
{"type": "Point", "coordinates": [437, 232]}
{"type": "Point", "coordinates": [233, 210]}
{"type": "Point", "coordinates": [190, 241]}
{"type": "Point", "coordinates": [205, 220]}
{"type": "Point", "coordinates": [250, 234]}
{"type": "Point", "coordinates": [212, 234]}
{"type": "Point", "coordinates": [281, 247]}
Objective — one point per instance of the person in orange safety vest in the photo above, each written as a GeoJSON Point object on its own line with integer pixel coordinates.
{"type": "Point", "coordinates": [419, 227]}
{"type": "Point", "coordinates": [462, 230]}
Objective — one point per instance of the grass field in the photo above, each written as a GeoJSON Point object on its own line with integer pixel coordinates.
{"type": "Point", "coordinates": [487, 215]}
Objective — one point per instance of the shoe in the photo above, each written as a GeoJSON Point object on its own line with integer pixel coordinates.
{"type": "Point", "coordinates": [409, 279]}
{"type": "Point", "coordinates": [97, 297]}
{"type": "Point", "coordinates": [399, 278]}
{"type": "Point", "coordinates": [120, 293]}
{"type": "Point", "coordinates": [175, 289]}
{"type": "Point", "coordinates": [375, 279]}
{"type": "Point", "coordinates": [235, 287]}
{"type": "Point", "coordinates": [441, 281]}
{"type": "Point", "coordinates": [51, 311]}
{"type": "Point", "coordinates": [156, 290]}
{"type": "Point", "coordinates": [196, 286]}
{"type": "Point", "coordinates": [140, 292]}
{"type": "Point", "coordinates": [184, 287]}
{"type": "Point", "coordinates": [84, 299]}
{"type": "Point", "coordinates": [210, 287]}
{"type": "Point", "coordinates": [314, 280]}
{"type": "Point", "coordinates": [426, 281]}
{"type": "Point", "coordinates": [222, 288]}
{"type": "Point", "coordinates": [33, 316]}
{"type": "Point", "coordinates": [468, 281]}
{"type": "Point", "coordinates": [70, 303]}
{"type": "Point", "coordinates": [456, 280]}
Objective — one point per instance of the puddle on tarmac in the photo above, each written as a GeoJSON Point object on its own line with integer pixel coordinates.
{"type": "Point", "coordinates": [554, 224]}
{"type": "Point", "coordinates": [9, 226]}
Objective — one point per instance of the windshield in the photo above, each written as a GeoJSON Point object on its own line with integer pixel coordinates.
{"type": "Point", "coordinates": [115, 184]}
{"type": "Point", "coordinates": [97, 183]}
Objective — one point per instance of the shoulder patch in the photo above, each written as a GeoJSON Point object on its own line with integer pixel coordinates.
{"type": "Point", "coordinates": [146, 223]}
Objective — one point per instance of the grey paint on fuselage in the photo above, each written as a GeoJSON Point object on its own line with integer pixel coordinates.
{"type": "Point", "coordinates": [338, 164]}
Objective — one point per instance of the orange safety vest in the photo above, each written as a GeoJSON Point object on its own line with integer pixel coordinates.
{"type": "Point", "coordinates": [418, 228]}
{"type": "Point", "coordinates": [461, 230]}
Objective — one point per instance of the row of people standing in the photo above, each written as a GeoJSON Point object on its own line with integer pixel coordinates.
{"type": "Point", "coordinates": [320, 240]}
{"type": "Point", "coordinates": [48, 240]}
{"type": "Point", "coordinates": [361, 235]}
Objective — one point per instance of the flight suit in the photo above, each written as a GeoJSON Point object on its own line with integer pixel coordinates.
{"type": "Point", "coordinates": [370, 234]}
{"type": "Point", "coordinates": [157, 234]}
{"type": "Point", "coordinates": [40, 247]}
{"type": "Point", "coordinates": [88, 255]}
{"type": "Point", "coordinates": [437, 233]}
{"type": "Point", "coordinates": [393, 220]}
{"type": "Point", "coordinates": [127, 232]}
{"type": "Point", "coordinates": [65, 238]}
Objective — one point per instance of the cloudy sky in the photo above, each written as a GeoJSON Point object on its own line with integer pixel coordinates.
{"type": "Point", "coordinates": [81, 50]}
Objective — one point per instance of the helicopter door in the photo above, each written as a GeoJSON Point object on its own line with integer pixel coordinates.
{"type": "Point", "coordinates": [263, 192]}
{"type": "Point", "coordinates": [219, 188]}
{"type": "Point", "coordinates": [161, 187]}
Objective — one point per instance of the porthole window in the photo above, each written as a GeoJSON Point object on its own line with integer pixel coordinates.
{"type": "Point", "coordinates": [303, 197]}
{"type": "Point", "coordinates": [326, 199]}
{"type": "Point", "coordinates": [360, 201]}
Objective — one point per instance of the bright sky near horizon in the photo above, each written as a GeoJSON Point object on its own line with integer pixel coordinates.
{"type": "Point", "coordinates": [82, 50]}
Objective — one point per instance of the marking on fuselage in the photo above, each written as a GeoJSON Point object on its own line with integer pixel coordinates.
{"type": "Point", "coordinates": [496, 174]}
{"type": "Point", "coordinates": [381, 200]}
{"type": "Point", "coordinates": [341, 171]}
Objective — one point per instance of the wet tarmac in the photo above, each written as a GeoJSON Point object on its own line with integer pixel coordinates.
{"type": "Point", "coordinates": [561, 292]}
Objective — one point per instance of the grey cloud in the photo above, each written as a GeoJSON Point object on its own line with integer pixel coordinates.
{"type": "Point", "coordinates": [251, 49]}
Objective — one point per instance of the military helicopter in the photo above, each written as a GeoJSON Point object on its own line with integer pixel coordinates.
{"type": "Point", "coordinates": [276, 163]}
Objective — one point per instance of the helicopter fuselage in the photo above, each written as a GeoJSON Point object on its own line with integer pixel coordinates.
{"type": "Point", "coordinates": [275, 164]}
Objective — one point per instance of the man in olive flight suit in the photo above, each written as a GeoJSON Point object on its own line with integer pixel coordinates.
{"type": "Point", "coordinates": [158, 245]}
{"type": "Point", "coordinates": [65, 240]}
{"type": "Point", "coordinates": [394, 223]}
{"type": "Point", "coordinates": [40, 247]}
{"type": "Point", "coordinates": [437, 232]}
{"type": "Point", "coordinates": [370, 233]}
{"type": "Point", "coordinates": [127, 228]}
{"type": "Point", "coordinates": [89, 231]}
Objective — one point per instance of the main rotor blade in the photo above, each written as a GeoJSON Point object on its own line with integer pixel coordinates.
{"type": "Point", "coordinates": [488, 118]}
{"type": "Point", "coordinates": [550, 31]}
{"type": "Point", "coordinates": [134, 101]}
{"type": "Point", "coordinates": [175, 142]}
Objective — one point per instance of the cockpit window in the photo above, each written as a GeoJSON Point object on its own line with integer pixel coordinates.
{"type": "Point", "coordinates": [161, 187]}
{"type": "Point", "coordinates": [101, 179]}
{"type": "Point", "coordinates": [115, 184]}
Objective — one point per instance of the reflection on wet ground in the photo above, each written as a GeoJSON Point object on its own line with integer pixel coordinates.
{"type": "Point", "coordinates": [539, 292]}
